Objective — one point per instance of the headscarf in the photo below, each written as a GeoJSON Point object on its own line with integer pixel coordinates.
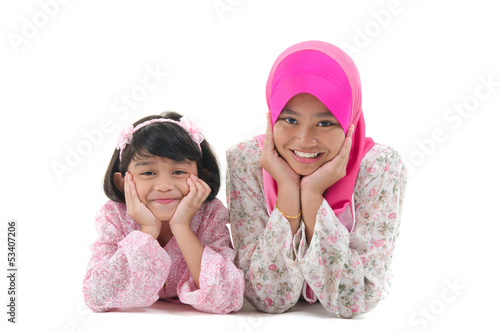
{"type": "Point", "coordinates": [328, 73]}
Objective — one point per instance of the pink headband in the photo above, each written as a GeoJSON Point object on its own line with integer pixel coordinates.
{"type": "Point", "coordinates": [191, 127]}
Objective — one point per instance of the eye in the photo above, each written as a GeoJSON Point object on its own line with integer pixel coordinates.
{"type": "Point", "coordinates": [179, 172]}
{"type": "Point", "coordinates": [290, 120]}
{"type": "Point", "coordinates": [148, 173]}
{"type": "Point", "coordinates": [326, 123]}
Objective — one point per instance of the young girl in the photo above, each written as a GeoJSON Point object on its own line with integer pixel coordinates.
{"type": "Point", "coordinates": [163, 234]}
{"type": "Point", "coordinates": [315, 206]}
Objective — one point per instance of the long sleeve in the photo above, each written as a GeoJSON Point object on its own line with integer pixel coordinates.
{"type": "Point", "coordinates": [264, 244]}
{"type": "Point", "coordinates": [348, 272]}
{"type": "Point", "coordinates": [221, 282]}
{"type": "Point", "coordinates": [127, 268]}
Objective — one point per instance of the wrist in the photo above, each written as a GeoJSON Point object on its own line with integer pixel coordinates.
{"type": "Point", "coordinates": [180, 228]}
{"type": "Point", "coordinates": [292, 186]}
{"type": "Point", "coordinates": [310, 198]}
{"type": "Point", "coordinates": [152, 230]}
{"type": "Point", "coordinates": [307, 188]}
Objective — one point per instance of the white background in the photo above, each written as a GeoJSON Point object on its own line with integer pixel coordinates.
{"type": "Point", "coordinates": [65, 68]}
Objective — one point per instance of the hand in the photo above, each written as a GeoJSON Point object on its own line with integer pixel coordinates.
{"type": "Point", "coordinates": [138, 211]}
{"type": "Point", "coordinates": [330, 172]}
{"type": "Point", "coordinates": [190, 204]}
{"type": "Point", "coordinates": [275, 165]}
{"type": "Point", "coordinates": [288, 198]}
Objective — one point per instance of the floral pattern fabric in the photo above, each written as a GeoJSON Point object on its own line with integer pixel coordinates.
{"type": "Point", "coordinates": [129, 268]}
{"type": "Point", "coordinates": [347, 272]}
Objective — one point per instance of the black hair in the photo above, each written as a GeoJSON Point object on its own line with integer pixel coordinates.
{"type": "Point", "coordinates": [163, 139]}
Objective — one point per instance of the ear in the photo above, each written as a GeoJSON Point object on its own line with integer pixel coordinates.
{"type": "Point", "coordinates": [119, 180]}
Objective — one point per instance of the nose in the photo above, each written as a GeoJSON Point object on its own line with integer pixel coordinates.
{"type": "Point", "coordinates": [306, 137]}
{"type": "Point", "coordinates": [163, 185]}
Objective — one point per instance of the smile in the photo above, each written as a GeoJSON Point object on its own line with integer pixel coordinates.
{"type": "Point", "coordinates": [306, 158]}
{"type": "Point", "coordinates": [164, 201]}
{"type": "Point", "coordinates": [306, 155]}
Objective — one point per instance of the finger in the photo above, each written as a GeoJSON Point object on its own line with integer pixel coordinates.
{"type": "Point", "coordinates": [126, 188]}
{"type": "Point", "coordinates": [200, 188]}
{"type": "Point", "coordinates": [204, 188]}
{"type": "Point", "coordinates": [269, 139]}
{"type": "Point", "coordinates": [350, 131]}
{"type": "Point", "coordinates": [191, 184]}
{"type": "Point", "coordinates": [133, 195]}
{"type": "Point", "coordinates": [346, 146]}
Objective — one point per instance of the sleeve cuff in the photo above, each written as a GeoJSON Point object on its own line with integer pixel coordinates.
{"type": "Point", "coordinates": [328, 230]}
{"type": "Point", "coordinates": [219, 281]}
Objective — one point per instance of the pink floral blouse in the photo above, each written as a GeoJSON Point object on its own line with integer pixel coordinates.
{"type": "Point", "coordinates": [347, 272]}
{"type": "Point", "coordinates": [129, 268]}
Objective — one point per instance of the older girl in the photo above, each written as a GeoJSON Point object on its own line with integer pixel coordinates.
{"type": "Point", "coordinates": [315, 206]}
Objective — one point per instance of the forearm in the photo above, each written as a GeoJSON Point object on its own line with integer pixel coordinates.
{"type": "Point", "coordinates": [272, 275]}
{"type": "Point", "coordinates": [288, 202]}
{"type": "Point", "coordinates": [310, 203]}
{"type": "Point", "coordinates": [114, 274]}
{"type": "Point", "coordinates": [191, 249]}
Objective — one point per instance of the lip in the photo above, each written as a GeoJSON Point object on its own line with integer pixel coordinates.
{"type": "Point", "coordinates": [164, 201]}
{"type": "Point", "coordinates": [304, 159]}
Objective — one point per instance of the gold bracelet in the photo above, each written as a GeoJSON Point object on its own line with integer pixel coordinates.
{"type": "Point", "coordinates": [287, 216]}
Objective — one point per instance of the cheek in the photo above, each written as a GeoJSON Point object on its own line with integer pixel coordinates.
{"type": "Point", "coordinates": [141, 189]}
{"type": "Point", "coordinates": [280, 138]}
{"type": "Point", "coordinates": [335, 142]}
{"type": "Point", "coordinates": [183, 187]}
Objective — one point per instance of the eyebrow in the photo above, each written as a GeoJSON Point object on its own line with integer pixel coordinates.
{"type": "Point", "coordinates": [149, 161]}
{"type": "Point", "coordinates": [143, 163]}
{"type": "Point", "coordinates": [287, 111]}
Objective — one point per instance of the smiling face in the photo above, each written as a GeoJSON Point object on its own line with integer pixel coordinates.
{"type": "Point", "coordinates": [306, 134]}
{"type": "Point", "coordinates": [161, 183]}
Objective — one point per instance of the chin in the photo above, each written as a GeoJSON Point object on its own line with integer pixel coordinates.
{"type": "Point", "coordinates": [162, 216]}
{"type": "Point", "coordinates": [304, 171]}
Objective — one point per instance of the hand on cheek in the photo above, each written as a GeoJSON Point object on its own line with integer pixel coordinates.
{"type": "Point", "coordinates": [330, 172]}
{"type": "Point", "coordinates": [275, 165]}
{"type": "Point", "coordinates": [138, 211]}
{"type": "Point", "coordinates": [190, 204]}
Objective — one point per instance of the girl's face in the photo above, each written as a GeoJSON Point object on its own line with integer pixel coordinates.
{"type": "Point", "coordinates": [306, 134]}
{"type": "Point", "coordinates": [161, 183]}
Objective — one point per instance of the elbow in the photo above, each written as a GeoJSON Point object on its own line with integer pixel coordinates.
{"type": "Point", "coordinates": [271, 305]}
{"type": "Point", "coordinates": [231, 302]}
{"type": "Point", "coordinates": [92, 300]}
{"type": "Point", "coordinates": [357, 309]}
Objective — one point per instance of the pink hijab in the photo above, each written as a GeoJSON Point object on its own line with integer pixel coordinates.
{"type": "Point", "coordinates": [329, 74]}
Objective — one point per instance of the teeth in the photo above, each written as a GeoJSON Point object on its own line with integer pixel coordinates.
{"type": "Point", "coordinates": [306, 155]}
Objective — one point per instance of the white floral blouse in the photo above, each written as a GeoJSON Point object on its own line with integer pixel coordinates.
{"type": "Point", "coordinates": [347, 272]}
